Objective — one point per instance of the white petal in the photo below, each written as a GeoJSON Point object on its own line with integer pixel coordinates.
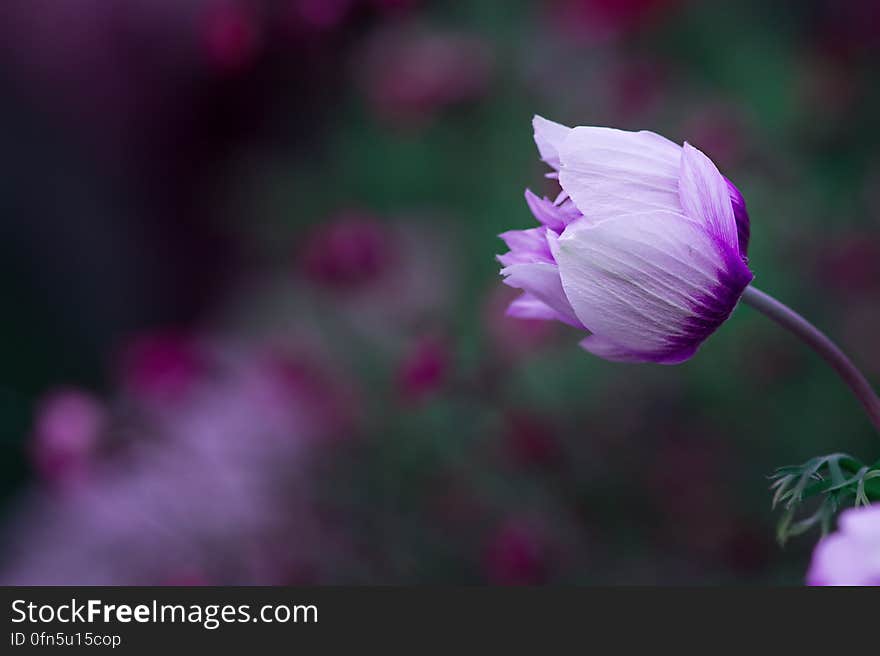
{"type": "Point", "coordinates": [654, 283]}
{"type": "Point", "coordinates": [607, 172]}
{"type": "Point", "coordinates": [861, 522]}
{"type": "Point", "coordinates": [527, 306]}
{"type": "Point", "coordinates": [705, 195]}
{"type": "Point", "coordinates": [541, 280]}
{"type": "Point", "coordinates": [549, 137]}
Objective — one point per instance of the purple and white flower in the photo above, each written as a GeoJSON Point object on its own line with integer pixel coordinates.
{"type": "Point", "coordinates": [645, 246]}
{"type": "Point", "coordinates": [851, 556]}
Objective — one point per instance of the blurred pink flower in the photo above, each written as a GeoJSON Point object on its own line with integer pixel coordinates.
{"type": "Point", "coordinates": [348, 251]}
{"type": "Point", "coordinates": [530, 440]}
{"type": "Point", "coordinates": [154, 82]}
{"type": "Point", "coordinates": [231, 36]}
{"type": "Point", "coordinates": [319, 15]}
{"type": "Point", "coordinates": [161, 367]}
{"type": "Point", "coordinates": [185, 579]}
{"type": "Point", "coordinates": [68, 429]}
{"type": "Point", "coordinates": [217, 488]}
{"type": "Point", "coordinates": [328, 404]}
{"type": "Point", "coordinates": [410, 74]}
{"type": "Point", "coordinates": [424, 368]}
{"type": "Point", "coordinates": [389, 278]}
{"type": "Point", "coordinates": [851, 556]}
{"type": "Point", "coordinates": [83, 53]}
{"type": "Point", "coordinates": [517, 554]}
{"type": "Point", "coordinates": [600, 20]}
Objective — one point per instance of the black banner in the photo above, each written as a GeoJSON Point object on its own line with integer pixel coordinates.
{"type": "Point", "coordinates": [173, 620]}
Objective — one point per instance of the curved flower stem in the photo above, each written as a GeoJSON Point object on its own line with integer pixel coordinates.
{"type": "Point", "coordinates": [820, 343]}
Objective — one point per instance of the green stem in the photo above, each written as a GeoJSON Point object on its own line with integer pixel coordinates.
{"type": "Point", "coordinates": [819, 342]}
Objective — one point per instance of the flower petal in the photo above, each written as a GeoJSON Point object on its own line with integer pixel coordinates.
{"type": "Point", "coordinates": [607, 172]}
{"type": "Point", "coordinates": [653, 283]}
{"type": "Point", "coordinates": [526, 246]}
{"type": "Point", "coordinates": [527, 306]}
{"type": "Point", "coordinates": [861, 523]}
{"type": "Point", "coordinates": [553, 215]}
{"type": "Point", "coordinates": [839, 559]}
{"type": "Point", "coordinates": [741, 215]}
{"type": "Point", "coordinates": [548, 137]}
{"type": "Point", "coordinates": [541, 280]}
{"type": "Point", "coordinates": [851, 556]}
{"type": "Point", "coordinates": [705, 195]}
{"type": "Point", "coordinates": [608, 349]}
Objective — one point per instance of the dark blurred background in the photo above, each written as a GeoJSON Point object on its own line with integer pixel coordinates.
{"type": "Point", "coordinates": [253, 330]}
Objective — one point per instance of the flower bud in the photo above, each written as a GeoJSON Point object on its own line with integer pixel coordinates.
{"type": "Point", "coordinates": [645, 247]}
